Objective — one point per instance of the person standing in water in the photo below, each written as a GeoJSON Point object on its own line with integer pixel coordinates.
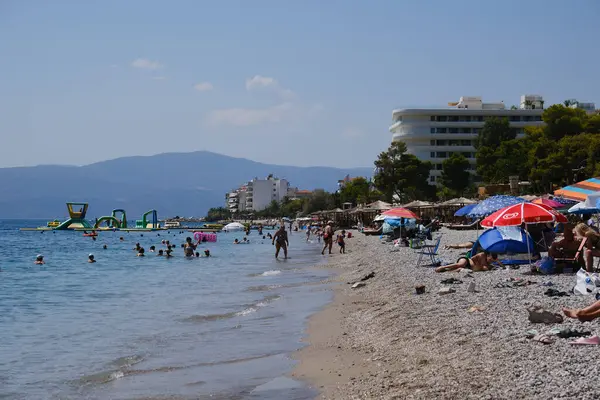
{"type": "Point", "coordinates": [328, 237]}
{"type": "Point", "coordinates": [281, 237]}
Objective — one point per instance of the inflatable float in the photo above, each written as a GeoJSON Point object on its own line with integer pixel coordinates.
{"type": "Point", "coordinates": [205, 237]}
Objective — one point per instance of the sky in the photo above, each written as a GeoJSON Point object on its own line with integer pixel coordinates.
{"type": "Point", "coordinates": [302, 83]}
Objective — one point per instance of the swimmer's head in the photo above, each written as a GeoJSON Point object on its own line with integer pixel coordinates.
{"type": "Point", "coordinates": [152, 248]}
{"type": "Point", "coordinates": [207, 253]}
{"type": "Point", "coordinates": [105, 247]}
{"type": "Point", "coordinates": [121, 238]}
{"type": "Point", "coordinates": [160, 252]}
{"type": "Point", "coordinates": [182, 245]}
{"type": "Point", "coordinates": [197, 254]}
{"type": "Point", "coordinates": [188, 239]}
{"type": "Point", "coordinates": [91, 256]}
{"type": "Point", "coordinates": [39, 257]}
{"type": "Point", "coordinates": [141, 250]}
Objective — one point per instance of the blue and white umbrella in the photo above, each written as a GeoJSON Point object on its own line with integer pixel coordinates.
{"type": "Point", "coordinates": [493, 204]}
{"type": "Point", "coordinates": [461, 212]}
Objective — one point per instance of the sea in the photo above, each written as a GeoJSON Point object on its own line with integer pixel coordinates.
{"type": "Point", "coordinates": [128, 327]}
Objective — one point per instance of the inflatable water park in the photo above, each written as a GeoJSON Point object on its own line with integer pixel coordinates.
{"type": "Point", "coordinates": [116, 221]}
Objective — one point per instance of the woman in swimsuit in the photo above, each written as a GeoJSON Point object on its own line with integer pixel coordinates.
{"type": "Point", "coordinates": [479, 262]}
{"type": "Point", "coordinates": [592, 244]}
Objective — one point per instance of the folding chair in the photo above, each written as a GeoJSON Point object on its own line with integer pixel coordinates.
{"type": "Point", "coordinates": [572, 262]}
{"type": "Point", "coordinates": [430, 251]}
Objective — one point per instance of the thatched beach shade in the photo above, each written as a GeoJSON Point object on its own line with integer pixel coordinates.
{"type": "Point", "coordinates": [418, 204]}
{"type": "Point", "coordinates": [378, 206]}
{"type": "Point", "coordinates": [459, 201]}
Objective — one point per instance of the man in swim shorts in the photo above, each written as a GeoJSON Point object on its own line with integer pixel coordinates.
{"type": "Point", "coordinates": [281, 237]}
{"type": "Point", "coordinates": [479, 262]}
{"type": "Point", "coordinates": [328, 237]}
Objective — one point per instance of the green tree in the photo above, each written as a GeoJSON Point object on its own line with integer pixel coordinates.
{"type": "Point", "coordinates": [494, 131]}
{"type": "Point", "coordinates": [358, 190]}
{"type": "Point", "coordinates": [401, 174]}
{"type": "Point", "coordinates": [319, 201]}
{"type": "Point", "coordinates": [592, 124]}
{"type": "Point", "coordinates": [561, 121]}
{"type": "Point", "coordinates": [455, 174]}
{"type": "Point", "coordinates": [217, 214]}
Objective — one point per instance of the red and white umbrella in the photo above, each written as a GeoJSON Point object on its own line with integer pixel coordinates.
{"type": "Point", "coordinates": [529, 213]}
{"type": "Point", "coordinates": [400, 213]}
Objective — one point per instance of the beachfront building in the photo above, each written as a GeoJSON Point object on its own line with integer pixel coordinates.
{"type": "Point", "coordinates": [434, 134]}
{"type": "Point", "coordinates": [257, 194]}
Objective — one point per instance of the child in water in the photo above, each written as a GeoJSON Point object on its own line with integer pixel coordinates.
{"type": "Point", "coordinates": [168, 255]}
{"type": "Point", "coordinates": [91, 258]}
{"type": "Point", "coordinates": [141, 252]}
{"type": "Point", "coordinates": [207, 253]}
{"type": "Point", "coordinates": [341, 243]}
{"type": "Point", "coordinates": [39, 260]}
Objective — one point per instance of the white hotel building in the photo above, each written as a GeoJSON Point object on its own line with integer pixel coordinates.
{"type": "Point", "coordinates": [435, 134]}
{"type": "Point", "coordinates": [257, 194]}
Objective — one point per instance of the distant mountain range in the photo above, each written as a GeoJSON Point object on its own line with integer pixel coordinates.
{"type": "Point", "coordinates": [185, 184]}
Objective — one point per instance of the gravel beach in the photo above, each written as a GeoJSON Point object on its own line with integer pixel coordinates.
{"type": "Point", "coordinates": [382, 341]}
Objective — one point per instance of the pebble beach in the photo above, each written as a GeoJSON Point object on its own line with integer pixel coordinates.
{"type": "Point", "coordinates": [383, 341]}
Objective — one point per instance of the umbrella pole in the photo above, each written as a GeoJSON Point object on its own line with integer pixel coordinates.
{"type": "Point", "coordinates": [527, 240]}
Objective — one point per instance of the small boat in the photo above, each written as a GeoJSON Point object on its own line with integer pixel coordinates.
{"type": "Point", "coordinates": [90, 234]}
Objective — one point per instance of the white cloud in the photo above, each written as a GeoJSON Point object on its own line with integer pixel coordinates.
{"type": "Point", "coordinates": [250, 116]}
{"type": "Point", "coordinates": [260, 81]}
{"type": "Point", "coordinates": [203, 86]}
{"type": "Point", "coordinates": [143, 63]}
{"type": "Point", "coordinates": [265, 82]}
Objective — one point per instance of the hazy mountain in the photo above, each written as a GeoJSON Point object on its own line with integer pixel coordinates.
{"type": "Point", "coordinates": [186, 184]}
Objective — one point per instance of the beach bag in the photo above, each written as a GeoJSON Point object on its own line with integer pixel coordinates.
{"type": "Point", "coordinates": [545, 265]}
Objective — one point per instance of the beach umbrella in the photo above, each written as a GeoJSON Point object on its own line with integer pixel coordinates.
{"type": "Point", "coordinates": [548, 202]}
{"type": "Point", "coordinates": [400, 213]}
{"type": "Point", "coordinates": [461, 212]}
{"type": "Point", "coordinates": [580, 190]}
{"type": "Point", "coordinates": [591, 205]}
{"type": "Point", "coordinates": [493, 204]}
{"type": "Point", "coordinates": [528, 213]}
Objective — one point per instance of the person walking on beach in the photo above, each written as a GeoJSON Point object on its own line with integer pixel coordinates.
{"type": "Point", "coordinates": [328, 237]}
{"type": "Point", "coordinates": [341, 242]}
{"type": "Point", "coordinates": [307, 233]}
{"type": "Point", "coordinates": [281, 237]}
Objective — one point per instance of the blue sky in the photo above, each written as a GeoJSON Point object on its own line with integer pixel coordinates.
{"type": "Point", "coordinates": [289, 82]}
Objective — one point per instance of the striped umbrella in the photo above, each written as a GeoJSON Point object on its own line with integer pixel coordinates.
{"type": "Point", "coordinates": [580, 190]}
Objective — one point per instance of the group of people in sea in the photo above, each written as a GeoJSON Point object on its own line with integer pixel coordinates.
{"type": "Point", "coordinates": [189, 250]}
{"type": "Point", "coordinates": [280, 238]}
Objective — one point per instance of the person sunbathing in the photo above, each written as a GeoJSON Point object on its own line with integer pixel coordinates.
{"type": "Point", "coordinates": [583, 314]}
{"type": "Point", "coordinates": [479, 262]}
{"type": "Point", "coordinates": [567, 246]}
{"type": "Point", "coordinates": [466, 245]}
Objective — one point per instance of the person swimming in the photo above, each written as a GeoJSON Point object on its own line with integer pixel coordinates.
{"type": "Point", "coordinates": [207, 253]}
{"type": "Point", "coordinates": [197, 254]}
{"type": "Point", "coordinates": [105, 247]}
{"type": "Point", "coordinates": [39, 260]}
{"type": "Point", "coordinates": [189, 247]}
{"type": "Point", "coordinates": [91, 258]}
{"type": "Point", "coordinates": [137, 247]}
{"type": "Point", "coordinates": [141, 252]}
{"type": "Point", "coordinates": [236, 241]}
{"type": "Point", "coordinates": [168, 253]}
{"type": "Point", "coordinates": [160, 252]}
{"type": "Point", "coordinates": [121, 238]}
{"type": "Point", "coordinates": [152, 248]}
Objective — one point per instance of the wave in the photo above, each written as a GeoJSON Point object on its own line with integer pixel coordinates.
{"type": "Point", "coordinates": [249, 309]}
{"type": "Point", "coordinates": [272, 272]}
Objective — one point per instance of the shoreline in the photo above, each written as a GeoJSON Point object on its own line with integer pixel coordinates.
{"type": "Point", "coordinates": [384, 341]}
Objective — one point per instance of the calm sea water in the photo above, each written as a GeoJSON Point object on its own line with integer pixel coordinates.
{"type": "Point", "coordinates": [128, 327]}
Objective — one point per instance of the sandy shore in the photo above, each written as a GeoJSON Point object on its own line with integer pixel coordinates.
{"type": "Point", "coordinates": [382, 341]}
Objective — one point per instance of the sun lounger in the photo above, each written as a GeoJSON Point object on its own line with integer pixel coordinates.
{"type": "Point", "coordinates": [460, 227]}
{"type": "Point", "coordinates": [374, 232]}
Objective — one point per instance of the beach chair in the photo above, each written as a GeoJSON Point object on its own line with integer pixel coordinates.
{"type": "Point", "coordinates": [430, 251]}
{"type": "Point", "coordinates": [562, 263]}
